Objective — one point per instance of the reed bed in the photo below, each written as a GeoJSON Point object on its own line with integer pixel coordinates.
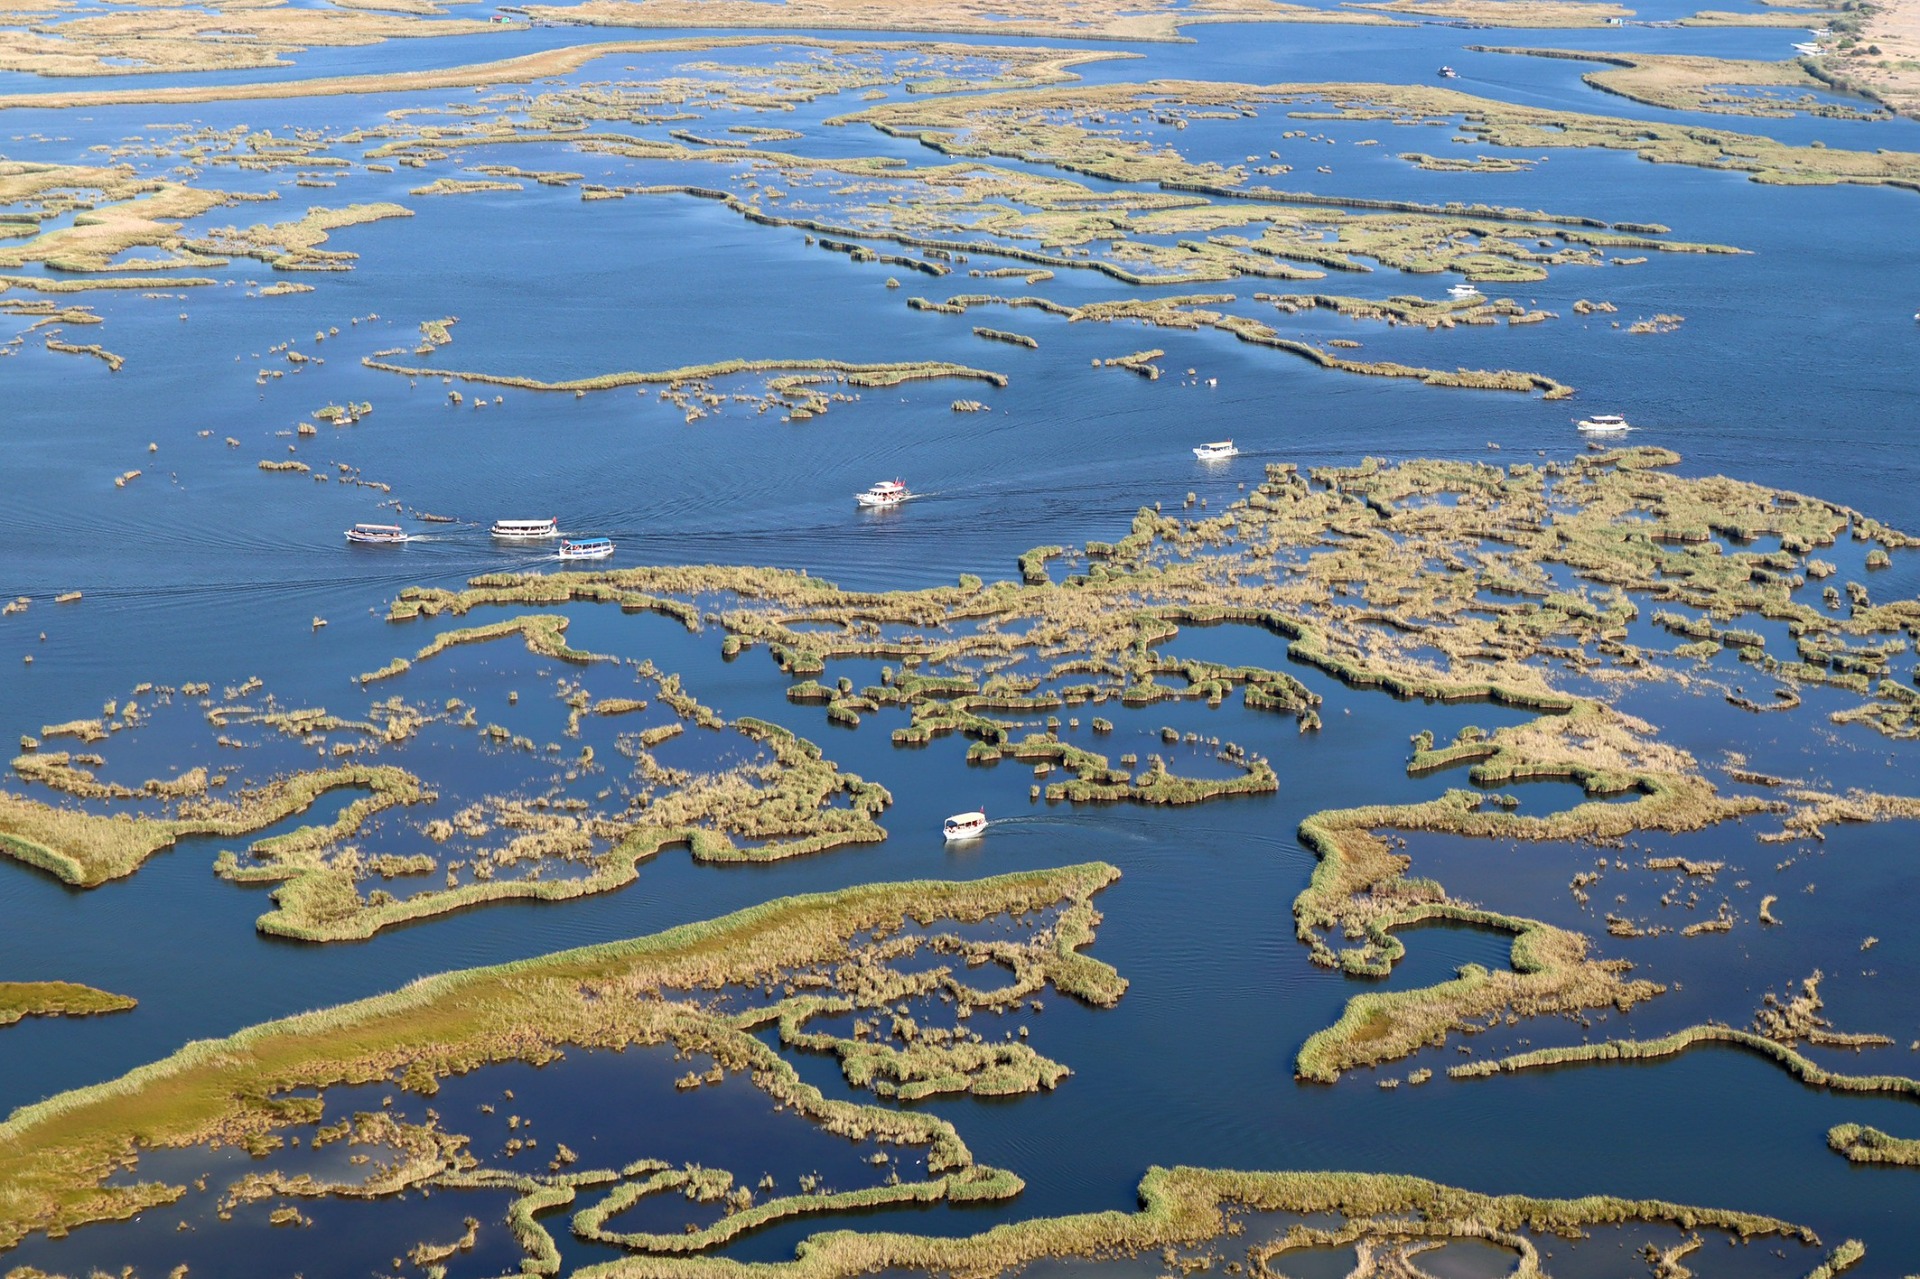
{"type": "Point", "coordinates": [1032, 65]}
{"type": "Point", "coordinates": [1790, 1059]}
{"type": "Point", "coordinates": [159, 39]}
{"type": "Point", "coordinates": [1000, 125]}
{"type": "Point", "coordinates": [296, 245]}
{"type": "Point", "coordinates": [55, 1156]}
{"type": "Point", "coordinates": [1863, 1145]}
{"type": "Point", "coordinates": [865, 375]}
{"type": "Point", "coordinates": [1502, 13]}
{"type": "Point", "coordinates": [1358, 595]}
{"type": "Point", "coordinates": [1191, 313]}
{"type": "Point", "coordinates": [1683, 82]}
{"type": "Point", "coordinates": [98, 352]}
{"type": "Point", "coordinates": [1157, 20]}
{"type": "Point", "coordinates": [544, 634]}
{"type": "Point", "coordinates": [793, 802]}
{"type": "Point", "coordinates": [1184, 1207]}
{"type": "Point", "coordinates": [86, 851]}
{"type": "Point", "coordinates": [22, 999]}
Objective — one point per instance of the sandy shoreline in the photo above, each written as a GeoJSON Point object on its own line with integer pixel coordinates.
{"type": "Point", "coordinates": [1893, 73]}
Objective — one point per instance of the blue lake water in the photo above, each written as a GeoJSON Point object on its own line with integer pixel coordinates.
{"type": "Point", "coordinates": [1794, 367]}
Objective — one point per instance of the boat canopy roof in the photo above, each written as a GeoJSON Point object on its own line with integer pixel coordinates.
{"type": "Point", "coordinates": [546, 523]}
{"type": "Point", "coordinates": [887, 486]}
{"type": "Point", "coordinates": [588, 541]}
{"type": "Point", "coordinates": [977, 815]}
{"type": "Point", "coordinates": [377, 528]}
{"type": "Point", "coordinates": [1218, 444]}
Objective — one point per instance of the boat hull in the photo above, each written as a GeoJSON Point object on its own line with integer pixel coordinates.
{"type": "Point", "coordinates": [964, 826]}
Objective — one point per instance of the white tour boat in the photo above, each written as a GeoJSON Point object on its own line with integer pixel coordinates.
{"type": "Point", "coordinates": [1461, 292]}
{"type": "Point", "coordinates": [1215, 451]}
{"type": "Point", "coordinates": [525, 530]}
{"type": "Point", "coordinates": [885, 493]}
{"type": "Point", "coordinates": [1604, 424]}
{"type": "Point", "coordinates": [1448, 73]}
{"type": "Point", "coordinates": [377, 534]}
{"type": "Point", "coordinates": [585, 548]}
{"type": "Point", "coordinates": [965, 825]}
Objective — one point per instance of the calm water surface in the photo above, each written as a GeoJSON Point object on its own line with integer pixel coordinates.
{"type": "Point", "coordinates": [1795, 367]}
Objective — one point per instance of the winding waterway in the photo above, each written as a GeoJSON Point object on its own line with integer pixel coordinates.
{"type": "Point", "coordinates": [1794, 367]}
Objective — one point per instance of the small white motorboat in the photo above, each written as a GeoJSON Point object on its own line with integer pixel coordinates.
{"type": "Point", "coordinates": [525, 530]}
{"type": "Point", "coordinates": [585, 548]}
{"type": "Point", "coordinates": [1461, 292]}
{"type": "Point", "coordinates": [377, 534]}
{"type": "Point", "coordinates": [885, 493]}
{"type": "Point", "coordinates": [965, 825]}
{"type": "Point", "coordinates": [1448, 73]}
{"type": "Point", "coordinates": [1216, 451]}
{"type": "Point", "coordinates": [1604, 424]}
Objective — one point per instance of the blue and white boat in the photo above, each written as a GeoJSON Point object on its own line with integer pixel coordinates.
{"type": "Point", "coordinates": [525, 530]}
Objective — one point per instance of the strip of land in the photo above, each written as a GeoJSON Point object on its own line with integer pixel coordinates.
{"type": "Point", "coordinates": [1039, 66]}
{"type": "Point", "coordinates": [22, 999]}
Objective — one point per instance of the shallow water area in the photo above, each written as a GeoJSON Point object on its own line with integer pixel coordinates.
{"type": "Point", "coordinates": [207, 567]}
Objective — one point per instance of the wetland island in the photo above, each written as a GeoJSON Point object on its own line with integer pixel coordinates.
{"type": "Point", "coordinates": [1399, 518]}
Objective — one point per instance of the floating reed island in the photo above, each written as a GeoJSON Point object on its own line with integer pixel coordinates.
{"type": "Point", "coordinates": [697, 988]}
{"type": "Point", "coordinates": [23, 999]}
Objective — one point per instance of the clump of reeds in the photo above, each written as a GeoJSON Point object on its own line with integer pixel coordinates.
{"type": "Point", "coordinates": [20, 999]}
{"type": "Point", "coordinates": [56, 1156]}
